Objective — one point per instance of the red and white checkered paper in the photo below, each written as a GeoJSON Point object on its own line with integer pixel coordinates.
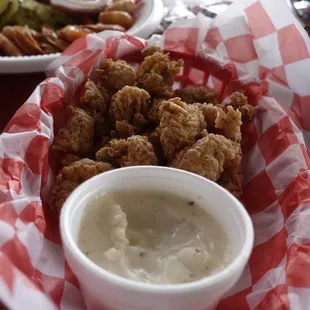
{"type": "Point", "coordinates": [256, 47]}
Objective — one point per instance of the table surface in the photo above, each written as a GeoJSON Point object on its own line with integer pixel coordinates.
{"type": "Point", "coordinates": [14, 91]}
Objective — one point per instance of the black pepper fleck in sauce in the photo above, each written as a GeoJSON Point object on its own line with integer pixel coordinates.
{"type": "Point", "coordinates": [142, 253]}
{"type": "Point", "coordinates": [197, 250]}
{"type": "Point", "coordinates": [191, 203]}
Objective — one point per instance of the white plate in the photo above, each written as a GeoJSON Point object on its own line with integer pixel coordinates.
{"type": "Point", "coordinates": [148, 19]}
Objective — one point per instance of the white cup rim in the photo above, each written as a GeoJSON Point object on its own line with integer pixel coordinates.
{"type": "Point", "coordinates": [237, 264]}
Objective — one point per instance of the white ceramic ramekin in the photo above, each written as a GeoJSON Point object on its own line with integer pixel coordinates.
{"type": "Point", "coordinates": [104, 290]}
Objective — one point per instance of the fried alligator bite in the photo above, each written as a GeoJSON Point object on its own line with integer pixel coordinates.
{"type": "Point", "coordinates": [128, 110]}
{"type": "Point", "coordinates": [208, 157]}
{"type": "Point", "coordinates": [197, 94]}
{"type": "Point", "coordinates": [157, 74]}
{"type": "Point", "coordinates": [76, 137]}
{"type": "Point", "coordinates": [240, 102]}
{"type": "Point", "coordinates": [181, 125]}
{"type": "Point", "coordinates": [133, 151]}
{"type": "Point", "coordinates": [70, 177]}
{"type": "Point", "coordinates": [96, 97]}
{"type": "Point", "coordinates": [114, 75]}
{"type": "Point", "coordinates": [228, 123]}
{"type": "Point", "coordinates": [128, 119]}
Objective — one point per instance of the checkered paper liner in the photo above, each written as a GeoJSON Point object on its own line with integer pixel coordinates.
{"type": "Point", "coordinates": [256, 47]}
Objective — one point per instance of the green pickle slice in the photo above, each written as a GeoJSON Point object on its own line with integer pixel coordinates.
{"type": "Point", "coordinates": [12, 8]}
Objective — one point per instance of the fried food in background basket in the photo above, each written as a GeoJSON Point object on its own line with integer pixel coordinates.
{"type": "Point", "coordinates": [122, 121]}
{"type": "Point", "coordinates": [31, 13]}
{"type": "Point", "coordinates": [33, 28]}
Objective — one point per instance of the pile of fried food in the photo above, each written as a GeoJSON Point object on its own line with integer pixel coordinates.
{"type": "Point", "coordinates": [32, 28]}
{"type": "Point", "coordinates": [128, 119]}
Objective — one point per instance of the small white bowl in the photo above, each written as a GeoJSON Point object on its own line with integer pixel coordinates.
{"type": "Point", "coordinates": [104, 290]}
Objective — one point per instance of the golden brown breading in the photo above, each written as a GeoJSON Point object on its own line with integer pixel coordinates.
{"type": "Point", "coordinates": [228, 123]}
{"type": "Point", "coordinates": [181, 125]}
{"type": "Point", "coordinates": [61, 191]}
{"type": "Point", "coordinates": [133, 151]}
{"type": "Point", "coordinates": [208, 156]}
{"type": "Point", "coordinates": [157, 74]}
{"type": "Point", "coordinates": [210, 113]}
{"type": "Point", "coordinates": [77, 135]}
{"type": "Point", "coordinates": [96, 102]}
{"type": "Point", "coordinates": [240, 102]}
{"type": "Point", "coordinates": [153, 114]}
{"type": "Point", "coordinates": [96, 97]}
{"type": "Point", "coordinates": [197, 94]}
{"type": "Point", "coordinates": [72, 176]}
{"type": "Point", "coordinates": [231, 178]}
{"type": "Point", "coordinates": [114, 75]}
{"type": "Point", "coordinates": [128, 109]}
{"type": "Point", "coordinates": [150, 50]}
{"type": "Point", "coordinates": [84, 169]}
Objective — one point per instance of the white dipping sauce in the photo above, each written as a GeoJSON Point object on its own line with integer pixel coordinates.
{"type": "Point", "coordinates": [152, 237]}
